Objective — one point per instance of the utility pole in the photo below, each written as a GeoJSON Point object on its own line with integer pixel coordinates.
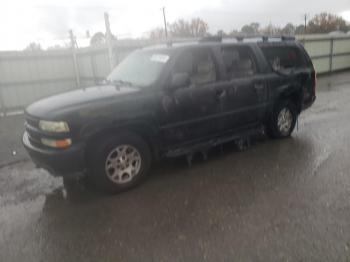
{"type": "Point", "coordinates": [165, 26]}
{"type": "Point", "coordinates": [305, 21]}
{"type": "Point", "coordinates": [2, 105]}
{"type": "Point", "coordinates": [109, 42]}
{"type": "Point", "coordinates": [74, 54]}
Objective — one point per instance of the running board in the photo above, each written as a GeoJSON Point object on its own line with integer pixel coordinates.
{"type": "Point", "coordinates": [242, 140]}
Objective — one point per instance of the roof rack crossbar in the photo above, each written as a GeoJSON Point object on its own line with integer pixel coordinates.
{"type": "Point", "coordinates": [240, 38]}
{"type": "Point", "coordinates": [211, 39]}
{"type": "Point", "coordinates": [265, 38]}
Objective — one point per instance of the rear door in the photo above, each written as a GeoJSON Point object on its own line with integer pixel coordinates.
{"type": "Point", "coordinates": [246, 87]}
{"type": "Point", "coordinates": [297, 70]}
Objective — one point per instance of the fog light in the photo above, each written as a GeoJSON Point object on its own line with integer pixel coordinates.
{"type": "Point", "coordinates": [62, 143]}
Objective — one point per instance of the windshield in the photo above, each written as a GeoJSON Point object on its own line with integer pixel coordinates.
{"type": "Point", "coordinates": [141, 68]}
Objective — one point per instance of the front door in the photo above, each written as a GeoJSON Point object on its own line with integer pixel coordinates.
{"type": "Point", "coordinates": [192, 112]}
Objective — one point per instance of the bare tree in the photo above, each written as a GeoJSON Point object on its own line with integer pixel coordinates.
{"type": "Point", "coordinates": [288, 29]}
{"type": "Point", "coordinates": [234, 32]}
{"type": "Point", "coordinates": [198, 27]}
{"type": "Point", "coordinates": [59, 47]}
{"type": "Point", "coordinates": [194, 28]}
{"type": "Point", "coordinates": [325, 23]}
{"type": "Point", "coordinates": [33, 47]}
{"type": "Point", "coordinates": [221, 33]}
{"type": "Point", "coordinates": [270, 29]}
{"type": "Point", "coordinates": [98, 39]}
{"type": "Point", "coordinates": [251, 29]}
{"type": "Point", "coordinates": [300, 29]}
{"type": "Point", "coordinates": [157, 33]}
{"type": "Point", "coordinates": [180, 28]}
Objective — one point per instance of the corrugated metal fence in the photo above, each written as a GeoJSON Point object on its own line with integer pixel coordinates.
{"type": "Point", "coordinates": [28, 76]}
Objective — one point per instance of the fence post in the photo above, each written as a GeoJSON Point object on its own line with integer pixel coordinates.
{"type": "Point", "coordinates": [331, 56]}
{"type": "Point", "coordinates": [109, 42]}
{"type": "Point", "coordinates": [75, 61]}
{"type": "Point", "coordinates": [2, 104]}
{"type": "Point", "coordinates": [93, 67]}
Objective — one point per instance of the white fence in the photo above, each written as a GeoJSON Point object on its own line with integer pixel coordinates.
{"type": "Point", "coordinates": [328, 53]}
{"type": "Point", "coordinates": [28, 76]}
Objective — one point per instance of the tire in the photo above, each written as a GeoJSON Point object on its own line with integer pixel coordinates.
{"type": "Point", "coordinates": [119, 162]}
{"type": "Point", "coordinates": [283, 120]}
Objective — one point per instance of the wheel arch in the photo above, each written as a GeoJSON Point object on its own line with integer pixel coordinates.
{"type": "Point", "coordinates": [144, 130]}
{"type": "Point", "coordinates": [293, 95]}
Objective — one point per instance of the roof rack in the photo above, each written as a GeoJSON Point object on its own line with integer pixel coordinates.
{"type": "Point", "coordinates": [241, 38]}
{"type": "Point", "coordinates": [210, 39]}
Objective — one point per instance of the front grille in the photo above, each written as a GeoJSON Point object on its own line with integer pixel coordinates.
{"type": "Point", "coordinates": [31, 121]}
{"type": "Point", "coordinates": [32, 129]}
{"type": "Point", "coordinates": [35, 141]}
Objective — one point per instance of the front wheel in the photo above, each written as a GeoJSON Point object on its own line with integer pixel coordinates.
{"type": "Point", "coordinates": [283, 120]}
{"type": "Point", "coordinates": [120, 162]}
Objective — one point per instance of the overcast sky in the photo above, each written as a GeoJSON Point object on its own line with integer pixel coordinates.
{"type": "Point", "coordinates": [48, 21]}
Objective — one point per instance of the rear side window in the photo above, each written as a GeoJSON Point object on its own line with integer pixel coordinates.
{"type": "Point", "coordinates": [239, 62]}
{"type": "Point", "coordinates": [281, 58]}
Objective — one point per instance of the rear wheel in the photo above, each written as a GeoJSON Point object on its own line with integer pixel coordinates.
{"type": "Point", "coordinates": [283, 120]}
{"type": "Point", "coordinates": [120, 162]}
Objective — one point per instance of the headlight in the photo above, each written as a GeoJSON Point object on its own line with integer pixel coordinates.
{"type": "Point", "coordinates": [52, 126]}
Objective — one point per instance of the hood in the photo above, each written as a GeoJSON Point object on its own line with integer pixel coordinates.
{"type": "Point", "coordinates": [55, 106]}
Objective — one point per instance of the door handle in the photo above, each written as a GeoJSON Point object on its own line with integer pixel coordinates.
{"type": "Point", "coordinates": [258, 86]}
{"type": "Point", "coordinates": [220, 93]}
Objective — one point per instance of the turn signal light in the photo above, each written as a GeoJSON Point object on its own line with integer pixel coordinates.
{"type": "Point", "coordinates": [62, 143]}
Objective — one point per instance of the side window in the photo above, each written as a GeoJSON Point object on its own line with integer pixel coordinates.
{"type": "Point", "coordinates": [281, 58]}
{"type": "Point", "coordinates": [239, 62]}
{"type": "Point", "coordinates": [199, 65]}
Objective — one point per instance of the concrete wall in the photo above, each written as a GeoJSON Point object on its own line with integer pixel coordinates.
{"type": "Point", "coordinates": [28, 76]}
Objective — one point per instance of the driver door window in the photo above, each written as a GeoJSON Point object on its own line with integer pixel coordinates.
{"type": "Point", "coordinates": [199, 65]}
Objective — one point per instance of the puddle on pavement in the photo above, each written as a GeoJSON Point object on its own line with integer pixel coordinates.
{"type": "Point", "coordinates": [23, 190]}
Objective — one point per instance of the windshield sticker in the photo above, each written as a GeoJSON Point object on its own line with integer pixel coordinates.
{"type": "Point", "coordinates": [160, 58]}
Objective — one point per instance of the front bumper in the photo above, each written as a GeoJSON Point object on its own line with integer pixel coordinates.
{"type": "Point", "coordinates": [59, 162]}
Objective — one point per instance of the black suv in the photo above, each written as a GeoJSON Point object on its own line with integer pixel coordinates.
{"type": "Point", "coordinates": [171, 100]}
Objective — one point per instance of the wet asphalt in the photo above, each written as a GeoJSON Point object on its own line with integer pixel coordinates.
{"type": "Point", "coordinates": [279, 200]}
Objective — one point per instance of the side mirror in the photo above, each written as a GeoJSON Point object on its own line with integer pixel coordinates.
{"type": "Point", "coordinates": [179, 80]}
